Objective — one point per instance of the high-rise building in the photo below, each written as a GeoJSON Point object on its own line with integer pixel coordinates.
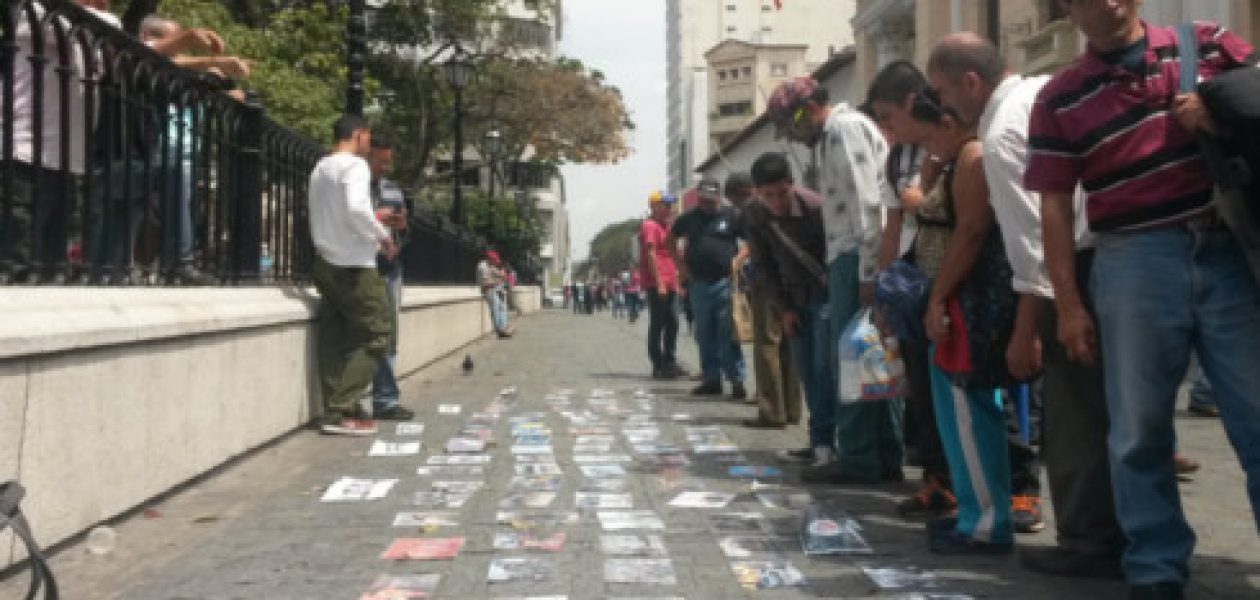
{"type": "Point", "coordinates": [694, 27]}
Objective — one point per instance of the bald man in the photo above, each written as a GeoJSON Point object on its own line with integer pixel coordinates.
{"type": "Point", "coordinates": [972, 78]}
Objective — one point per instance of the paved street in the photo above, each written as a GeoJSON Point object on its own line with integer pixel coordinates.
{"type": "Point", "coordinates": [257, 528]}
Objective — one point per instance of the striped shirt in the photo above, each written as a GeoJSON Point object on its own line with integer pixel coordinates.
{"type": "Point", "coordinates": [1113, 131]}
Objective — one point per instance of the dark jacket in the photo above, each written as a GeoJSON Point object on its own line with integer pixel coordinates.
{"type": "Point", "coordinates": [789, 282]}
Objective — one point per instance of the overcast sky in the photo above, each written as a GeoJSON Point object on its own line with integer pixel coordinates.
{"type": "Point", "coordinates": [626, 40]}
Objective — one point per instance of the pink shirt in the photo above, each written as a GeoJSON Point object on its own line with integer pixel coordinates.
{"type": "Point", "coordinates": [653, 233]}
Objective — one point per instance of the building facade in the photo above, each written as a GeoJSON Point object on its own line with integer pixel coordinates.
{"type": "Point", "coordinates": [837, 76]}
{"type": "Point", "coordinates": [1033, 34]}
{"type": "Point", "coordinates": [741, 76]}
{"type": "Point", "coordinates": [694, 27]}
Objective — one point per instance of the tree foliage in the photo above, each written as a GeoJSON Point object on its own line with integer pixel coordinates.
{"type": "Point", "coordinates": [612, 248]}
{"type": "Point", "coordinates": [297, 57]}
{"type": "Point", "coordinates": [558, 110]}
{"type": "Point", "coordinates": [547, 112]}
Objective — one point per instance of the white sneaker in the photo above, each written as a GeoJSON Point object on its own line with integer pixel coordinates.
{"type": "Point", "coordinates": [357, 427]}
{"type": "Point", "coordinates": [823, 456]}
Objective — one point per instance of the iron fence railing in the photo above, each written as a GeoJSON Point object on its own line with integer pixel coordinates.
{"type": "Point", "coordinates": [118, 167]}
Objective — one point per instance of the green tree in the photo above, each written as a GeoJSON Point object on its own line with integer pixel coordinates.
{"type": "Point", "coordinates": [613, 247]}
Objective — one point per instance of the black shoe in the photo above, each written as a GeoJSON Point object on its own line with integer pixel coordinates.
{"type": "Point", "coordinates": [761, 424]}
{"type": "Point", "coordinates": [1203, 410]}
{"type": "Point", "coordinates": [955, 543]}
{"type": "Point", "coordinates": [1067, 563]}
{"type": "Point", "coordinates": [1165, 590]}
{"type": "Point", "coordinates": [675, 370]}
{"type": "Point", "coordinates": [830, 474]}
{"type": "Point", "coordinates": [190, 275]}
{"type": "Point", "coordinates": [393, 413]}
{"type": "Point", "coordinates": [708, 388]}
{"type": "Point", "coordinates": [738, 392]}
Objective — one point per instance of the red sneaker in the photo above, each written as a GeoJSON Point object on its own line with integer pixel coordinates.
{"type": "Point", "coordinates": [357, 427]}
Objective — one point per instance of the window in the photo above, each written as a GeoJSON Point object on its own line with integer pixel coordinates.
{"type": "Point", "coordinates": [730, 8]}
{"type": "Point", "coordinates": [721, 75]}
{"type": "Point", "coordinates": [735, 109]}
{"type": "Point", "coordinates": [747, 71]}
{"type": "Point", "coordinates": [778, 70]}
{"type": "Point", "coordinates": [765, 8]}
{"type": "Point", "coordinates": [766, 29]}
{"type": "Point", "coordinates": [730, 29]}
{"type": "Point", "coordinates": [734, 73]}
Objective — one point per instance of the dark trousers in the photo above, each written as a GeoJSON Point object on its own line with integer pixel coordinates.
{"type": "Point", "coordinates": [662, 329]}
{"type": "Point", "coordinates": [36, 232]}
{"type": "Point", "coordinates": [921, 416]}
{"type": "Point", "coordinates": [1074, 442]}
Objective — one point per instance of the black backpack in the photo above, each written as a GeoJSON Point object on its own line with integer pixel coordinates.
{"type": "Point", "coordinates": [11, 493]}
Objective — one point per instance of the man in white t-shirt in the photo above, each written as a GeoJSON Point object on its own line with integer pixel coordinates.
{"type": "Point", "coordinates": [355, 330]}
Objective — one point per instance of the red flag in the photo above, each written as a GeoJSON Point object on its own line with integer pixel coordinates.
{"type": "Point", "coordinates": [778, 4]}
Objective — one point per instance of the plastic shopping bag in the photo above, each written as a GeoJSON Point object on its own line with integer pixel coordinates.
{"type": "Point", "coordinates": [870, 368]}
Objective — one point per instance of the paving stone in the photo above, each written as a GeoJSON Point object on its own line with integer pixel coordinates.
{"type": "Point", "coordinates": [258, 530]}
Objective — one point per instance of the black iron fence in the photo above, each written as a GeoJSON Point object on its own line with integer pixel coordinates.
{"type": "Point", "coordinates": [119, 167]}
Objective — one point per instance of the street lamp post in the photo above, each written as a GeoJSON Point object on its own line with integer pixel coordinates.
{"type": "Point", "coordinates": [493, 146]}
{"type": "Point", "coordinates": [356, 53]}
{"type": "Point", "coordinates": [458, 71]}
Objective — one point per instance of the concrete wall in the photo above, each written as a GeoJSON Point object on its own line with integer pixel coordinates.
{"type": "Point", "coordinates": [109, 397]}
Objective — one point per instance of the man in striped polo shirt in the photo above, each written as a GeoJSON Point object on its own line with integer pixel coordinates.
{"type": "Point", "coordinates": [1168, 277]}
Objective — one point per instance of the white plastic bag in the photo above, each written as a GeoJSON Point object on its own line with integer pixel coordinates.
{"type": "Point", "coordinates": [870, 369]}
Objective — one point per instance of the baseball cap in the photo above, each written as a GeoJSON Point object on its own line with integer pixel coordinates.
{"type": "Point", "coordinates": [787, 102]}
{"type": "Point", "coordinates": [662, 197]}
{"type": "Point", "coordinates": [710, 188]}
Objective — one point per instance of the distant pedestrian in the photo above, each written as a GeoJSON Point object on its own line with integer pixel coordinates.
{"type": "Point", "coordinates": [492, 280]}
{"type": "Point", "coordinates": [660, 279]}
{"type": "Point", "coordinates": [711, 243]}
{"type": "Point", "coordinates": [791, 246]}
{"type": "Point", "coordinates": [634, 294]}
{"type": "Point", "coordinates": [354, 322]}
{"type": "Point", "coordinates": [778, 388]}
{"type": "Point", "coordinates": [387, 199]}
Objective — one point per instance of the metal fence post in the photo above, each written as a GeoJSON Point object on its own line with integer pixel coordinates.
{"type": "Point", "coordinates": [248, 200]}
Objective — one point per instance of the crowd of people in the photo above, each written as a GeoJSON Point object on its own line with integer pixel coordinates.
{"type": "Point", "coordinates": [1063, 232]}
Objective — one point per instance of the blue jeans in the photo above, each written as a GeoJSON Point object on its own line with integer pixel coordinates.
{"type": "Point", "coordinates": [1201, 390]}
{"type": "Point", "coordinates": [868, 435]}
{"type": "Point", "coordinates": [385, 393]}
{"type": "Point", "coordinates": [719, 353]}
{"type": "Point", "coordinates": [1160, 295]}
{"type": "Point", "coordinates": [813, 351]}
{"type": "Point", "coordinates": [498, 308]}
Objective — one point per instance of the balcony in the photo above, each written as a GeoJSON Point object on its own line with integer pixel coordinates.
{"type": "Point", "coordinates": [1050, 49]}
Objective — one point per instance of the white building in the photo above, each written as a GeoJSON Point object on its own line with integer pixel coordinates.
{"type": "Point", "coordinates": [694, 27]}
{"type": "Point", "coordinates": [838, 76]}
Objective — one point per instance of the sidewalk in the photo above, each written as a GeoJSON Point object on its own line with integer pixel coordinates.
{"type": "Point", "coordinates": [257, 529]}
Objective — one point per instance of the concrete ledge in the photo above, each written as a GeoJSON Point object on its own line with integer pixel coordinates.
{"type": "Point", "coordinates": [109, 397]}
